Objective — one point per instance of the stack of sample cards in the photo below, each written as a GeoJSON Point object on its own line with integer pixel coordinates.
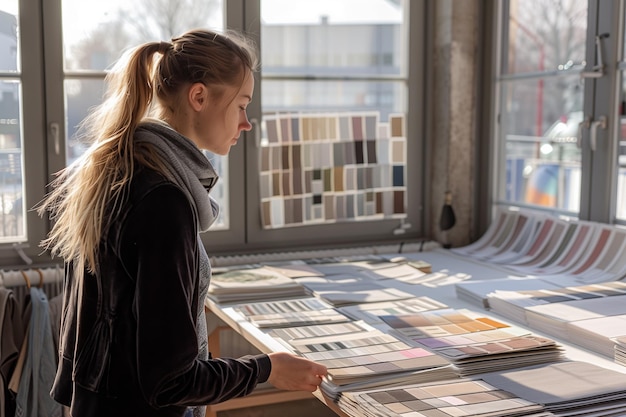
{"type": "Point", "coordinates": [289, 313]}
{"type": "Point", "coordinates": [513, 304]}
{"type": "Point", "coordinates": [620, 350]}
{"type": "Point", "coordinates": [371, 312]}
{"type": "Point", "coordinates": [569, 388]}
{"type": "Point", "coordinates": [478, 292]}
{"type": "Point", "coordinates": [455, 398]}
{"type": "Point", "coordinates": [555, 318]}
{"type": "Point", "coordinates": [370, 358]}
{"type": "Point", "coordinates": [249, 284]}
{"type": "Point", "coordinates": [598, 334]}
{"type": "Point", "coordinates": [473, 342]}
{"type": "Point", "coordinates": [558, 389]}
{"type": "Point", "coordinates": [346, 289]}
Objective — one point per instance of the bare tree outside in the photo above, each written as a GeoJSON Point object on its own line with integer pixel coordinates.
{"type": "Point", "coordinates": [548, 35]}
{"type": "Point", "coordinates": [164, 19]}
{"type": "Point", "coordinates": [130, 23]}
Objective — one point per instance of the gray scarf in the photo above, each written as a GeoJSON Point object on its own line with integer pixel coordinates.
{"type": "Point", "coordinates": [188, 167]}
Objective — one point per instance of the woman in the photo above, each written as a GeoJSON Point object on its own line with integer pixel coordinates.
{"type": "Point", "coordinates": [127, 217]}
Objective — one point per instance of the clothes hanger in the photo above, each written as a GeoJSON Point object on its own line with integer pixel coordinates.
{"type": "Point", "coordinates": [40, 272]}
{"type": "Point", "coordinates": [26, 279]}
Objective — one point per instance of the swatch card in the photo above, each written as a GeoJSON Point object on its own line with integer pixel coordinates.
{"type": "Point", "coordinates": [283, 313]}
{"type": "Point", "coordinates": [352, 356]}
{"type": "Point", "coordinates": [463, 397]}
{"type": "Point", "coordinates": [464, 338]}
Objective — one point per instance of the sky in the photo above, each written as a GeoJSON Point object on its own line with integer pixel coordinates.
{"type": "Point", "coordinates": [9, 6]}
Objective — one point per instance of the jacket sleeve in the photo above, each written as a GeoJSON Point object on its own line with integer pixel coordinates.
{"type": "Point", "coordinates": [160, 246]}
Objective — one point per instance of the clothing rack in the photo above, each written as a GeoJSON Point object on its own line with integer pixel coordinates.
{"type": "Point", "coordinates": [24, 313]}
{"type": "Point", "coordinates": [49, 279]}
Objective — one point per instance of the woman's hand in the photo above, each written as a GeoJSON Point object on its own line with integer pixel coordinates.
{"type": "Point", "coordinates": [293, 373]}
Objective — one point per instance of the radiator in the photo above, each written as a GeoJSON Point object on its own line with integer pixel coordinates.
{"type": "Point", "coordinates": [255, 258]}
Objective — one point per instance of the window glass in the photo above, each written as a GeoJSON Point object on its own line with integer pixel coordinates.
{"type": "Point", "coordinates": [333, 142]}
{"type": "Point", "coordinates": [8, 36]}
{"type": "Point", "coordinates": [96, 33]}
{"type": "Point", "coordinates": [80, 96]}
{"type": "Point", "coordinates": [540, 134]}
{"type": "Point", "coordinates": [12, 218]}
{"type": "Point", "coordinates": [541, 104]}
{"type": "Point", "coordinates": [546, 35]}
{"type": "Point", "coordinates": [621, 174]}
{"type": "Point", "coordinates": [620, 209]}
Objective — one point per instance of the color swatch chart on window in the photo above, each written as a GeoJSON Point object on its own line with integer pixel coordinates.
{"type": "Point", "coordinates": [331, 167]}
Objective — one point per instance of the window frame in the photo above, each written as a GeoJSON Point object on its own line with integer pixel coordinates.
{"type": "Point", "coordinates": [34, 137]}
{"type": "Point", "coordinates": [43, 81]}
{"type": "Point", "coordinates": [354, 233]}
{"type": "Point", "coordinates": [598, 189]}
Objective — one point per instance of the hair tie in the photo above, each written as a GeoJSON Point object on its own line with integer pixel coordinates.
{"type": "Point", "coordinates": [164, 47]}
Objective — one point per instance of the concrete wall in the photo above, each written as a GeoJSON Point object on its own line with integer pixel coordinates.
{"type": "Point", "coordinates": [453, 115]}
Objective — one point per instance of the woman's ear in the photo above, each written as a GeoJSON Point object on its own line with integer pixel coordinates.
{"type": "Point", "coordinates": [198, 96]}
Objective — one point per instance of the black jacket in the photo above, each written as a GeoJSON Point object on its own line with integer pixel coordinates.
{"type": "Point", "coordinates": [128, 344]}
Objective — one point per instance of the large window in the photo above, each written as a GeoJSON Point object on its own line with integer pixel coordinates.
{"type": "Point", "coordinates": [327, 157]}
{"type": "Point", "coordinates": [561, 108]}
{"type": "Point", "coordinates": [541, 104]}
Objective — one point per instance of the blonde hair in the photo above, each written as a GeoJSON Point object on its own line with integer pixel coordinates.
{"type": "Point", "coordinates": [86, 196]}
